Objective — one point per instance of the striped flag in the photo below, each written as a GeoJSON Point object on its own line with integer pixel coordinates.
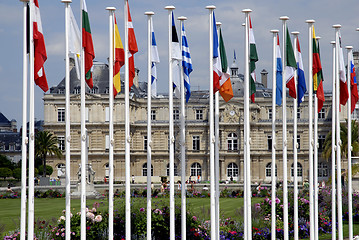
{"type": "Point", "coordinates": [40, 55]}
{"type": "Point", "coordinates": [176, 58]}
{"type": "Point", "coordinates": [225, 90]}
{"type": "Point", "coordinates": [344, 94]}
{"type": "Point", "coordinates": [119, 60]}
{"type": "Point", "coordinates": [253, 58]}
{"type": "Point", "coordinates": [301, 86]}
{"type": "Point", "coordinates": [279, 76]}
{"type": "Point", "coordinates": [132, 47]}
{"type": "Point", "coordinates": [217, 66]}
{"type": "Point", "coordinates": [317, 74]}
{"type": "Point", "coordinates": [155, 59]}
{"type": "Point", "coordinates": [290, 67]}
{"type": "Point", "coordinates": [74, 42]}
{"type": "Point", "coordinates": [353, 84]}
{"type": "Point", "coordinates": [87, 44]}
{"type": "Point", "coordinates": [186, 64]}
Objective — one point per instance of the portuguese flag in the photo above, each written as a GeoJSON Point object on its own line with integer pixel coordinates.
{"type": "Point", "coordinates": [87, 44]}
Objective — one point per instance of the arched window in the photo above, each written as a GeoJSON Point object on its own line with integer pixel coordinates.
{"type": "Point", "coordinates": [269, 170]}
{"type": "Point", "coordinates": [299, 170]}
{"type": "Point", "coordinates": [322, 170]}
{"type": "Point", "coordinates": [168, 170]}
{"type": "Point", "coordinates": [196, 169]}
{"type": "Point", "coordinates": [60, 170]}
{"type": "Point", "coordinates": [232, 170]}
{"type": "Point", "coordinates": [232, 142]}
{"type": "Point", "coordinates": [144, 169]}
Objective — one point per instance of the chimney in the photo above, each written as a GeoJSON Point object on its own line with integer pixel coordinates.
{"type": "Point", "coordinates": [264, 75]}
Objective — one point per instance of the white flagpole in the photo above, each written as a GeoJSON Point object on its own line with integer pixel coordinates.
{"type": "Point", "coordinates": [216, 150]}
{"type": "Point", "coordinates": [334, 206]}
{"type": "Point", "coordinates": [273, 177]}
{"type": "Point", "coordinates": [171, 131]}
{"type": "Point", "coordinates": [149, 136]}
{"type": "Point", "coordinates": [316, 192]}
{"type": "Point", "coordinates": [285, 142]}
{"type": "Point", "coordinates": [338, 141]}
{"type": "Point", "coordinates": [295, 145]}
{"type": "Point", "coordinates": [127, 131]}
{"type": "Point", "coordinates": [350, 197]}
{"type": "Point", "coordinates": [310, 102]}
{"type": "Point", "coordinates": [183, 146]}
{"type": "Point", "coordinates": [67, 123]}
{"type": "Point", "coordinates": [111, 11]}
{"type": "Point", "coordinates": [211, 124]}
{"type": "Point", "coordinates": [247, 160]}
{"type": "Point", "coordinates": [24, 123]}
{"type": "Point", "coordinates": [83, 139]}
{"type": "Point", "coordinates": [31, 217]}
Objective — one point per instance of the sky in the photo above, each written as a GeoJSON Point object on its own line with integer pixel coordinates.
{"type": "Point", "coordinates": [265, 16]}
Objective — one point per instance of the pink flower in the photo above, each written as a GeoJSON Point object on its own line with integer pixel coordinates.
{"type": "Point", "coordinates": [98, 218]}
{"type": "Point", "coordinates": [194, 218]}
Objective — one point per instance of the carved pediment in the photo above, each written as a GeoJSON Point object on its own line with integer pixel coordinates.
{"type": "Point", "coordinates": [230, 114]}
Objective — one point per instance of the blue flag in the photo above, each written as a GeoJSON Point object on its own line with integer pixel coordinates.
{"type": "Point", "coordinates": [186, 64]}
{"type": "Point", "coordinates": [301, 86]}
{"type": "Point", "coordinates": [154, 60]}
{"type": "Point", "coordinates": [279, 88]}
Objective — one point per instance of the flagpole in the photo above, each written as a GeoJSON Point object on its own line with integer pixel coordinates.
{"type": "Point", "coordinates": [333, 143]}
{"type": "Point", "coordinates": [310, 103]}
{"type": "Point", "coordinates": [350, 197]}
{"type": "Point", "coordinates": [67, 123]}
{"type": "Point", "coordinates": [183, 146]}
{"type": "Point", "coordinates": [171, 133]}
{"type": "Point", "coordinates": [111, 11]}
{"type": "Point", "coordinates": [149, 129]}
{"type": "Point", "coordinates": [247, 160]}
{"type": "Point", "coordinates": [24, 122]}
{"type": "Point", "coordinates": [285, 142]}
{"type": "Point", "coordinates": [273, 177]}
{"type": "Point", "coordinates": [295, 144]}
{"type": "Point", "coordinates": [127, 131]}
{"type": "Point", "coordinates": [338, 141]}
{"type": "Point", "coordinates": [216, 150]}
{"type": "Point", "coordinates": [211, 124]}
{"type": "Point", "coordinates": [30, 228]}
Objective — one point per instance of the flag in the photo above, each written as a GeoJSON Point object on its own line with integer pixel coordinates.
{"type": "Point", "coordinates": [40, 55]}
{"type": "Point", "coordinates": [290, 67]}
{"type": "Point", "coordinates": [353, 84]}
{"type": "Point", "coordinates": [132, 47]}
{"type": "Point", "coordinates": [253, 58]}
{"type": "Point", "coordinates": [87, 44]}
{"type": "Point", "coordinates": [317, 74]}
{"type": "Point", "coordinates": [234, 55]}
{"type": "Point", "coordinates": [154, 60]}
{"type": "Point", "coordinates": [301, 86]}
{"type": "Point", "coordinates": [175, 58]}
{"type": "Point", "coordinates": [279, 76]}
{"type": "Point", "coordinates": [344, 95]}
{"type": "Point", "coordinates": [119, 60]}
{"type": "Point", "coordinates": [217, 68]}
{"type": "Point", "coordinates": [225, 81]}
{"type": "Point", "coordinates": [74, 42]}
{"type": "Point", "coordinates": [186, 64]}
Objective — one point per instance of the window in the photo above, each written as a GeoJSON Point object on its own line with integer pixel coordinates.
{"type": "Point", "coordinates": [61, 140]}
{"type": "Point", "coordinates": [107, 142]}
{"type": "Point", "coordinates": [232, 142]}
{"type": "Point", "coordinates": [232, 170]}
{"type": "Point", "coordinates": [321, 140]}
{"type": "Point", "coordinates": [107, 90]}
{"type": "Point", "coordinates": [61, 115]}
{"type": "Point", "coordinates": [322, 170]}
{"type": "Point", "coordinates": [176, 114]}
{"type": "Point", "coordinates": [77, 90]}
{"type": "Point", "coordinates": [298, 113]}
{"type": "Point", "coordinates": [145, 143]}
{"type": "Point", "coordinates": [299, 170]}
{"type": "Point", "coordinates": [61, 91]}
{"type": "Point", "coordinates": [298, 141]}
{"type": "Point", "coordinates": [270, 114]}
{"type": "Point", "coordinates": [12, 147]}
{"type": "Point", "coordinates": [107, 170]}
{"type": "Point", "coordinates": [107, 114]}
{"type": "Point", "coordinates": [86, 114]}
{"type": "Point", "coordinates": [199, 114]}
{"type": "Point", "coordinates": [270, 142]}
{"type": "Point", "coordinates": [94, 90]}
{"type": "Point", "coordinates": [168, 170]}
{"type": "Point", "coordinates": [195, 143]}
{"type": "Point", "coordinates": [144, 170]}
{"type": "Point", "coordinates": [269, 170]}
{"type": "Point", "coordinates": [153, 115]}
{"type": "Point", "coordinates": [196, 169]}
{"type": "Point", "coordinates": [321, 114]}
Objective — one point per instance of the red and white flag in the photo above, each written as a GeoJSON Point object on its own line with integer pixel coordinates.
{"type": "Point", "coordinates": [132, 47]}
{"type": "Point", "coordinates": [344, 94]}
{"type": "Point", "coordinates": [40, 55]}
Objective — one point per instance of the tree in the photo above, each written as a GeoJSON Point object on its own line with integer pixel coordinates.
{"type": "Point", "coordinates": [5, 172]}
{"type": "Point", "coordinates": [16, 173]}
{"type": "Point", "coordinates": [5, 162]}
{"type": "Point", "coordinates": [46, 144]}
{"type": "Point", "coordinates": [49, 169]}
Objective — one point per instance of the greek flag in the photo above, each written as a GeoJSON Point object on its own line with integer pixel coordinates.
{"type": "Point", "coordinates": [186, 64]}
{"type": "Point", "coordinates": [154, 60]}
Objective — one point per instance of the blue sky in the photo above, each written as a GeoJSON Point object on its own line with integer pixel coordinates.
{"type": "Point", "coordinates": [265, 16]}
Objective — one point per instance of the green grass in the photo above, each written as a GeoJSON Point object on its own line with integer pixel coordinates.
{"type": "Point", "coordinates": [328, 236]}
